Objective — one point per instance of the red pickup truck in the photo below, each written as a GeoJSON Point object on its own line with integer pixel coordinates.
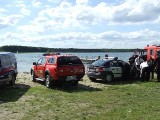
{"type": "Point", "coordinates": [54, 67]}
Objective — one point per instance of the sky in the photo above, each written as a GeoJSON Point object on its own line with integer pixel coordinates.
{"type": "Point", "coordinates": [89, 24]}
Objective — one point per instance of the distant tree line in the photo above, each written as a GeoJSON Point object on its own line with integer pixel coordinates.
{"type": "Point", "coordinates": [22, 49]}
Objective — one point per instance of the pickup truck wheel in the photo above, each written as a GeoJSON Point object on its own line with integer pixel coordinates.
{"type": "Point", "coordinates": [13, 79]}
{"type": "Point", "coordinates": [109, 77]}
{"type": "Point", "coordinates": [75, 83]}
{"type": "Point", "coordinates": [92, 79]}
{"type": "Point", "coordinates": [33, 77]}
{"type": "Point", "coordinates": [48, 82]}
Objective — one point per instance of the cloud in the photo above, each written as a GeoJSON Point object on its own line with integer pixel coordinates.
{"type": "Point", "coordinates": [81, 2]}
{"type": "Point", "coordinates": [11, 20]}
{"type": "Point", "coordinates": [25, 11]}
{"type": "Point", "coordinates": [2, 10]}
{"type": "Point", "coordinates": [36, 4]}
{"type": "Point", "coordinates": [68, 16]}
{"type": "Point", "coordinates": [31, 29]}
{"type": "Point", "coordinates": [111, 39]}
{"type": "Point", "coordinates": [136, 11]}
{"type": "Point", "coordinates": [82, 16]}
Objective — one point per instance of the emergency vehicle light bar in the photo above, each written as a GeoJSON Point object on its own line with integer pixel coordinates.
{"type": "Point", "coordinates": [50, 54]}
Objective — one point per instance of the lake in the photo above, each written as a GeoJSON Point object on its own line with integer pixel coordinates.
{"type": "Point", "coordinates": [25, 60]}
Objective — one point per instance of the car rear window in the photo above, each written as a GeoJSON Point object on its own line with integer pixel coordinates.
{"type": "Point", "coordinates": [69, 60]}
{"type": "Point", "coordinates": [99, 63]}
{"type": "Point", "coordinates": [5, 60]}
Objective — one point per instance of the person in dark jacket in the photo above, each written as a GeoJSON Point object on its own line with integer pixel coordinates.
{"type": "Point", "coordinates": [157, 66]}
{"type": "Point", "coordinates": [145, 71]}
{"type": "Point", "coordinates": [151, 67]}
{"type": "Point", "coordinates": [125, 71]}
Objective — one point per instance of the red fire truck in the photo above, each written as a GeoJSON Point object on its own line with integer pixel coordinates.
{"type": "Point", "coordinates": [152, 51]}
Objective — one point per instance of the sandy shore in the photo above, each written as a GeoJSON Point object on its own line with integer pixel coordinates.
{"type": "Point", "coordinates": [25, 78]}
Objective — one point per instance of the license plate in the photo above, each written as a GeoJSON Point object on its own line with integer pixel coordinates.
{"type": "Point", "coordinates": [71, 78]}
{"type": "Point", "coordinates": [91, 70]}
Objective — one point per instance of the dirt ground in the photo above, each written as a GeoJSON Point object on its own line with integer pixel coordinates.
{"type": "Point", "coordinates": [25, 78]}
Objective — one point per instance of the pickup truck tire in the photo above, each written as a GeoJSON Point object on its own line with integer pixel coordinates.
{"type": "Point", "coordinates": [48, 81]}
{"type": "Point", "coordinates": [109, 77]}
{"type": "Point", "coordinates": [12, 78]}
{"type": "Point", "coordinates": [33, 77]}
{"type": "Point", "coordinates": [92, 79]}
{"type": "Point", "coordinates": [75, 83]}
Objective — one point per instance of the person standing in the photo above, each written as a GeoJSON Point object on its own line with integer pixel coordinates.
{"type": "Point", "coordinates": [151, 66]}
{"type": "Point", "coordinates": [145, 71]}
{"type": "Point", "coordinates": [138, 61]}
{"type": "Point", "coordinates": [125, 71]}
{"type": "Point", "coordinates": [106, 56]}
{"type": "Point", "coordinates": [99, 57]}
{"type": "Point", "coordinates": [157, 66]}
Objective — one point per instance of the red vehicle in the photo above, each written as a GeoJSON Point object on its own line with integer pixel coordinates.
{"type": "Point", "coordinates": [152, 50]}
{"type": "Point", "coordinates": [54, 67]}
{"type": "Point", "coordinates": [8, 68]}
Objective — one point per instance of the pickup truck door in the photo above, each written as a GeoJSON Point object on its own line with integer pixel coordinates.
{"type": "Point", "coordinates": [40, 67]}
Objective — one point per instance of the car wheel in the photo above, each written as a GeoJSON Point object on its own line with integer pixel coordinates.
{"type": "Point", "coordinates": [109, 77]}
{"type": "Point", "coordinates": [75, 82]}
{"type": "Point", "coordinates": [12, 79]}
{"type": "Point", "coordinates": [48, 81]}
{"type": "Point", "coordinates": [92, 79]}
{"type": "Point", "coordinates": [33, 77]}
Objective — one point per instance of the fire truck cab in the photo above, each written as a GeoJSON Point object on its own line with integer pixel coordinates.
{"type": "Point", "coordinates": [152, 51]}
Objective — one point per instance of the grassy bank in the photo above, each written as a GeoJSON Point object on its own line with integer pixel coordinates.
{"type": "Point", "coordinates": [116, 101]}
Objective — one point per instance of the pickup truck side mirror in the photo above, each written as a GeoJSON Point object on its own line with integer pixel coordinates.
{"type": "Point", "coordinates": [34, 63]}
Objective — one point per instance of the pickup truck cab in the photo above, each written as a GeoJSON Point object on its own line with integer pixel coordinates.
{"type": "Point", "coordinates": [54, 67]}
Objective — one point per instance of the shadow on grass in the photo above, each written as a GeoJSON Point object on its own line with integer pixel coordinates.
{"type": "Point", "coordinates": [123, 82]}
{"type": "Point", "coordinates": [68, 87]}
{"type": "Point", "coordinates": [12, 94]}
{"type": "Point", "coordinates": [78, 88]}
{"type": "Point", "coordinates": [120, 81]}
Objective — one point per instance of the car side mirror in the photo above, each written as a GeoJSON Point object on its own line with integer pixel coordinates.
{"type": "Point", "coordinates": [34, 63]}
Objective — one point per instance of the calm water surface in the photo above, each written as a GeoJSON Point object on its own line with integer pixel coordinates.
{"type": "Point", "coordinates": [25, 60]}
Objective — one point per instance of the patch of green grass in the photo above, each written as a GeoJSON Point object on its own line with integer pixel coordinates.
{"type": "Point", "coordinates": [139, 100]}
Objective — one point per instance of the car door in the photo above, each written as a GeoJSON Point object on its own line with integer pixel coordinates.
{"type": "Point", "coordinates": [4, 67]}
{"type": "Point", "coordinates": [116, 69]}
{"type": "Point", "coordinates": [40, 67]}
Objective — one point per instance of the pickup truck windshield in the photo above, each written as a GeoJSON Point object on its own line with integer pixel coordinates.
{"type": "Point", "coordinates": [69, 60]}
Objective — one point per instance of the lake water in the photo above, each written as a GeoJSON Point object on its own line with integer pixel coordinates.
{"type": "Point", "coordinates": [25, 60]}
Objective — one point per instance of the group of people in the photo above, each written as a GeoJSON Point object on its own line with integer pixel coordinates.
{"type": "Point", "coordinates": [148, 66]}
